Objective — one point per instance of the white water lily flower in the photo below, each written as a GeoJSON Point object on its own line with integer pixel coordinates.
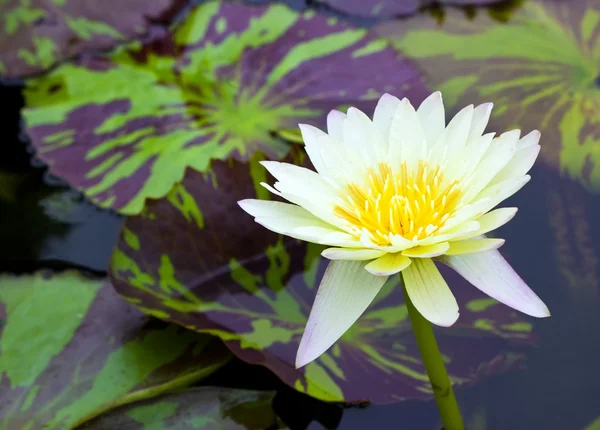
{"type": "Point", "coordinates": [393, 195]}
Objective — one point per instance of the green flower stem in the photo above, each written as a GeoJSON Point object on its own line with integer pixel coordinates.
{"type": "Point", "coordinates": [438, 376]}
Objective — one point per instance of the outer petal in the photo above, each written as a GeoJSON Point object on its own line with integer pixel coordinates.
{"type": "Point", "coordinates": [492, 220]}
{"type": "Point", "coordinates": [491, 273]}
{"type": "Point", "coordinates": [500, 192]}
{"type": "Point", "coordinates": [474, 245]}
{"type": "Point", "coordinates": [432, 116]}
{"type": "Point", "coordinates": [389, 264]}
{"type": "Point", "coordinates": [296, 222]}
{"type": "Point", "coordinates": [519, 165]}
{"type": "Point", "coordinates": [357, 254]}
{"type": "Point", "coordinates": [499, 154]}
{"type": "Point", "coordinates": [345, 292]}
{"type": "Point", "coordinates": [429, 292]}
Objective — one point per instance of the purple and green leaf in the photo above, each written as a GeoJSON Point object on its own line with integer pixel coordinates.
{"type": "Point", "coordinates": [71, 348]}
{"type": "Point", "coordinates": [124, 126]}
{"type": "Point", "coordinates": [391, 8]}
{"type": "Point", "coordinates": [541, 69]}
{"type": "Point", "coordinates": [200, 408]}
{"type": "Point", "coordinates": [37, 34]}
{"type": "Point", "coordinates": [197, 259]}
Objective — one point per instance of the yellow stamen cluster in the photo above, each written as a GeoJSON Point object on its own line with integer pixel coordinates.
{"type": "Point", "coordinates": [411, 203]}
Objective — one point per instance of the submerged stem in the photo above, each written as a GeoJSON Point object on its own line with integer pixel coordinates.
{"type": "Point", "coordinates": [436, 370]}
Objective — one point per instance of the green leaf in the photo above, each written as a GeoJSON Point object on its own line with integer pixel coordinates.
{"type": "Point", "coordinates": [200, 408]}
{"type": "Point", "coordinates": [37, 34]}
{"type": "Point", "coordinates": [70, 348]}
{"type": "Point", "coordinates": [222, 84]}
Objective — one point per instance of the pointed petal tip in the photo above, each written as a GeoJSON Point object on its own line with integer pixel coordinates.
{"type": "Point", "coordinates": [302, 360]}
{"type": "Point", "coordinates": [245, 204]}
{"type": "Point", "coordinates": [446, 322]}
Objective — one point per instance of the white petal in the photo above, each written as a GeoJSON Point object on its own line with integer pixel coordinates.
{"type": "Point", "coordinates": [427, 251]}
{"type": "Point", "coordinates": [495, 194]}
{"type": "Point", "coordinates": [491, 273]}
{"type": "Point", "coordinates": [481, 117]}
{"type": "Point", "coordinates": [345, 292]}
{"type": "Point", "coordinates": [307, 189]}
{"type": "Point", "coordinates": [325, 236]}
{"type": "Point", "coordinates": [384, 113]}
{"type": "Point", "coordinates": [326, 152]}
{"type": "Point", "coordinates": [474, 152]}
{"type": "Point", "coordinates": [497, 156]}
{"type": "Point", "coordinates": [533, 138]}
{"type": "Point", "coordinates": [493, 220]}
{"type": "Point", "coordinates": [519, 165]}
{"type": "Point", "coordinates": [311, 136]}
{"type": "Point", "coordinates": [389, 264]}
{"type": "Point", "coordinates": [474, 245]}
{"type": "Point", "coordinates": [458, 130]}
{"type": "Point", "coordinates": [296, 222]}
{"type": "Point", "coordinates": [335, 124]}
{"type": "Point", "coordinates": [407, 138]}
{"type": "Point", "coordinates": [432, 116]}
{"type": "Point", "coordinates": [464, 230]}
{"type": "Point", "coordinates": [269, 208]}
{"type": "Point", "coordinates": [358, 254]}
{"type": "Point", "coordinates": [429, 292]}
{"type": "Point", "coordinates": [362, 138]}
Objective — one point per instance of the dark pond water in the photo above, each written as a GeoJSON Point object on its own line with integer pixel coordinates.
{"type": "Point", "coordinates": [552, 243]}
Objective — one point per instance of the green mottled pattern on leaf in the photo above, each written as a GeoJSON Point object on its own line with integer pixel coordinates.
{"type": "Point", "coordinates": [254, 289]}
{"type": "Point", "coordinates": [37, 34]}
{"type": "Point", "coordinates": [221, 84]}
{"type": "Point", "coordinates": [541, 70]}
{"type": "Point", "coordinates": [70, 348]}
{"type": "Point", "coordinates": [200, 408]}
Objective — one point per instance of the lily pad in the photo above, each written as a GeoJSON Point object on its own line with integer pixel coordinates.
{"type": "Point", "coordinates": [220, 85]}
{"type": "Point", "coordinates": [196, 259]}
{"type": "Point", "coordinates": [541, 69]}
{"type": "Point", "coordinates": [70, 348]}
{"type": "Point", "coordinates": [392, 8]}
{"type": "Point", "coordinates": [37, 34]}
{"type": "Point", "coordinates": [207, 408]}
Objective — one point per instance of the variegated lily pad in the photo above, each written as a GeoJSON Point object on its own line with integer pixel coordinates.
{"type": "Point", "coordinates": [391, 8]}
{"type": "Point", "coordinates": [196, 259]}
{"type": "Point", "coordinates": [37, 34]}
{"type": "Point", "coordinates": [201, 408]}
{"type": "Point", "coordinates": [70, 348]}
{"type": "Point", "coordinates": [220, 85]}
{"type": "Point", "coordinates": [541, 69]}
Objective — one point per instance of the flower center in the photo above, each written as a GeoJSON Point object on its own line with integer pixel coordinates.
{"type": "Point", "coordinates": [411, 203]}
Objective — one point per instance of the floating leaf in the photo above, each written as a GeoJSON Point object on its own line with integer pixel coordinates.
{"type": "Point", "coordinates": [541, 69]}
{"type": "Point", "coordinates": [37, 34]}
{"type": "Point", "coordinates": [390, 8]}
{"type": "Point", "coordinates": [594, 425]}
{"type": "Point", "coordinates": [70, 348]}
{"type": "Point", "coordinates": [196, 258]}
{"type": "Point", "coordinates": [220, 85]}
{"type": "Point", "coordinates": [201, 408]}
